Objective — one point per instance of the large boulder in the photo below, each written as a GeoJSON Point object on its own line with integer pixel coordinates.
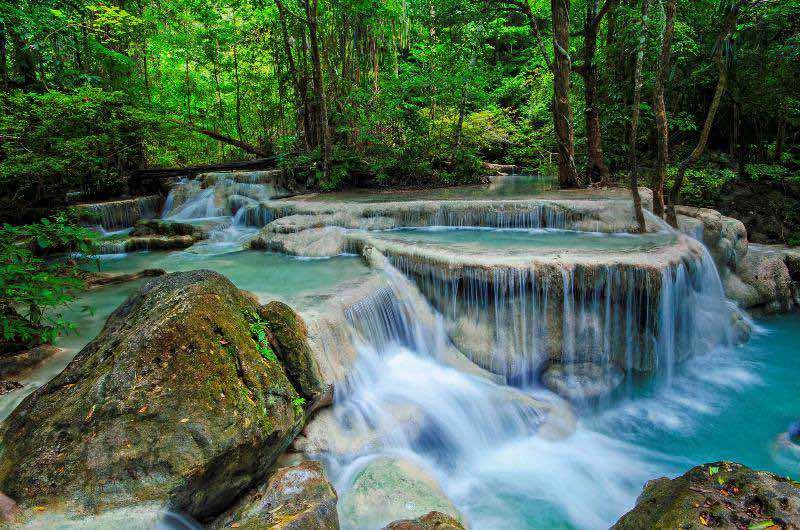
{"type": "Point", "coordinates": [389, 489]}
{"type": "Point", "coordinates": [295, 498]}
{"type": "Point", "coordinates": [718, 495]}
{"type": "Point", "coordinates": [173, 402]}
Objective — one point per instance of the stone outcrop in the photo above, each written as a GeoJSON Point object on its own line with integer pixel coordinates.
{"type": "Point", "coordinates": [16, 362]}
{"type": "Point", "coordinates": [172, 402]}
{"type": "Point", "coordinates": [718, 495]}
{"type": "Point", "coordinates": [757, 277]}
{"type": "Point", "coordinates": [295, 498]}
{"type": "Point", "coordinates": [124, 213]}
{"type": "Point", "coordinates": [582, 381]}
{"type": "Point", "coordinates": [161, 227]}
{"type": "Point", "coordinates": [429, 521]}
{"type": "Point", "coordinates": [391, 489]}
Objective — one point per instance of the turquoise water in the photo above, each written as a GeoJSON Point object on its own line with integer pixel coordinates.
{"type": "Point", "coordinates": [265, 274]}
{"type": "Point", "coordinates": [528, 239]}
{"type": "Point", "coordinates": [734, 404]}
{"type": "Point", "coordinates": [728, 404]}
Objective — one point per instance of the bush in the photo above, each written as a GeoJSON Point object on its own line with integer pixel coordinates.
{"type": "Point", "coordinates": [33, 287]}
{"type": "Point", "coordinates": [702, 187]}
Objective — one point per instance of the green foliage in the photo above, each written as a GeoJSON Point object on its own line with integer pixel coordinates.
{"type": "Point", "coordinates": [770, 172]}
{"type": "Point", "coordinates": [258, 329]}
{"type": "Point", "coordinates": [33, 287]}
{"type": "Point", "coordinates": [417, 93]}
{"type": "Point", "coordinates": [298, 404]}
{"type": "Point", "coordinates": [82, 140]}
{"type": "Point", "coordinates": [702, 187]}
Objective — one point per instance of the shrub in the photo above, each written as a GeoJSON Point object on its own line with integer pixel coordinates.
{"type": "Point", "coordinates": [33, 287]}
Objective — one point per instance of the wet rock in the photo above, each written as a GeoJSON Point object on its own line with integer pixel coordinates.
{"type": "Point", "coordinates": [325, 433]}
{"type": "Point", "coordinates": [101, 279]}
{"type": "Point", "coordinates": [582, 381]}
{"type": "Point", "coordinates": [295, 498]}
{"type": "Point", "coordinates": [160, 242]}
{"type": "Point", "coordinates": [718, 495]}
{"type": "Point", "coordinates": [314, 242]}
{"type": "Point", "coordinates": [16, 362]}
{"type": "Point", "coordinates": [755, 276]}
{"type": "Point", "coordinates": [289, 339]}
{"type": "Point", "coordinates": [390, 489]}
{"type": "Point", "coordinates": [741, 326]}
{"type": "Point", "coordinates": [9, 385]}
{"type": "Point", "coordinates": [171, 402]}
{"type": "Point", "coordinates": [768, 276]}
{"type": "Point", "coordinates": [430, 521]}
{"type": "Point", "coordinates": [161, 227]}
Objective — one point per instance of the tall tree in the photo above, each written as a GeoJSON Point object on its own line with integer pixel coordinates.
{"type": "Point", "coordinates": [596, 168]}
{"type": "Point", "coordinates": [722, 82]}
{"type": "Point", "coordinates": [562, 109]}
{"type": "Point", "coordinates": [637, 98]}
{"type": "Point", "coordinates": [662, 125]}
{"type": "Point", "coordinates": [320, 104]}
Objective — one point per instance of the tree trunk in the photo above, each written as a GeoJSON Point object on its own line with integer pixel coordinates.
{"type": "Point", "coordinates": [722, 83]}
{"type": "Point", "coordinates": [239, 129]}
{"type": "Point", "coordinates": [596, 169]}
{"type": "Point", "coordinates": [637, 98]}
{"type": "Point", "coordinates": [188, 89]}
{"type": "Point", "coordinates": [659, 106]}
{"type": "Point", "coordinates": [321, 112]}
{"type": "Point", "coordinates": [463, 100]}
{"type": "Point", "coordinates": [302, 106]}
{"type": "Point", "coordinates": [780, 139]}
{"type": "Point", "coordinates": [24, 61]}
{"type": "Point", "coordinates": [244, 146]}
{"type": "Point", "coordinates": [562, 110]}
{"type": "Point", "coordinates": [3, 57]}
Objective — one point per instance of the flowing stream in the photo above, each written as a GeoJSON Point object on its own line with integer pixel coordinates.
{"type": "Point", "coordinates": [504, 450]}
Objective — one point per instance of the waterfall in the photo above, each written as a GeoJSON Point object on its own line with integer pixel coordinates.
{"type": "Point", "coordinates": [404, 399]}
{"type": "Point", "coordinates": [222, 194]}
{"type": "Point", "coordinates": [517, 320]}
{"type": "Point", "coordinates": [116, 215]}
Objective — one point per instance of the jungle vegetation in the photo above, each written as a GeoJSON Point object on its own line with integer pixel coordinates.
{"type": "Point", "coordinates": [684, 96]}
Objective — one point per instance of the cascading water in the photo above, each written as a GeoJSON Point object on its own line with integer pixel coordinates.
{"type": "Point", "coordinates": [483, 441]}
{"type": "Point", "coordinates": [640, 319]}
{"type": "Point", "coordinates": [117, 215]}
{"type": "Point", "coordinates": [468, 432]}
{"type": "Point", "coordinates": [221, 199]}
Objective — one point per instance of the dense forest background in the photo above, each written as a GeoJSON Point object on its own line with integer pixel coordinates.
{"type": "Point", "coordinates": [401, 93]}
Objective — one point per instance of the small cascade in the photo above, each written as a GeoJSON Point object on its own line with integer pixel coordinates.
{"type": "Point", "coordinates": [116, 215]}
{"type": "Point", "coordinates": [639, 319]}
{"type": "Point", "coordinates": [222, 194]}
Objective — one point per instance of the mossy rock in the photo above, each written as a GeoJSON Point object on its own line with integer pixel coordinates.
{"type": "Point", "coordinates": [429, 521]}
{"type": "Point", "coordinates": [160, 227]}
{"type": "Point", "coordinates": [289, 339]}
{"type": "Point", "coordinates": [718, 495]}
{"type": "Point", "coordinates": [295, 498]}
{"type": "Point", "coordinates": [171, 402]}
